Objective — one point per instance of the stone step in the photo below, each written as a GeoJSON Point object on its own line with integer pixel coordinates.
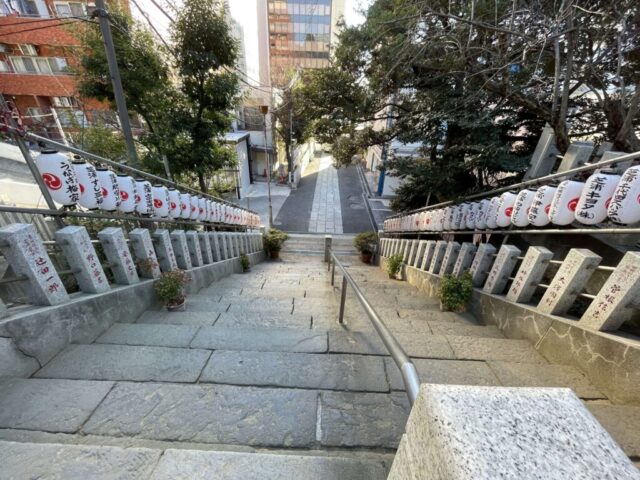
{"type": "Point", "coordinates": [240, 319]}
{"type": "Point", "coordinates": [79, 462]}
{"type": "Point", "coordinates": [161, 317]}
{"type": "Point", "coordinates": [297, 370]}
{"type": "Point", "coordinates": [158, 335]}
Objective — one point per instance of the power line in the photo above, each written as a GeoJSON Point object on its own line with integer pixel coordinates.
{"type": "Point", "coordinates": [44, 27]}
{"type": "Point", "coordinates": [50, 19]}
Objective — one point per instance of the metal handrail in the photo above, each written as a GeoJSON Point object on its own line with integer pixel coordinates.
{"type": "Point", "coordinates": [551, 231]}
{"type": "Point", "coordinates": [401, 359]}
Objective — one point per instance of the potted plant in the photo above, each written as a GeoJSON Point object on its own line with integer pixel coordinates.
{"type": "Point", "coordinates": [245, 262]}
{"type": "Point", "coordinates": [170, 288]}
{"type": "Point", "coordinates": [365, 243]}
{"type": "Point", "coordinates": [394, 262]}
{"type": "Point", "coordinates": [455, 292]}
{"type": "Point", "coordinates": [273, 241]}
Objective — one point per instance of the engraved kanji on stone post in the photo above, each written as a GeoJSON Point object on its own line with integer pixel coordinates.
{"type": "Point", "coordinates": [502, 268]}
{"type": "Point", "coordinates": [438, 255]}
{"type": "Point", "coordinates": [449, 259]}
{"type": "Point", "coordinates": [465, 258]}
{"type": "Point", "coordinates": [413, 245]}
{"type": "Point", "coordinates": [215, 247]}
{"type": "Point", "coordinates": [417, 259]}
{"type": "Point", "coordinates": [23, 249]}
{"type": "Point", "coordinates": [429, 248]}
{"type": "Point", "coordinates": [117, 252]}
{"type": "Point", "coordinates": [142, 246]}
{"type": "Point", "coordinates": [181, 250]}
{"type": "Point", "coordinates": [166, 256]}
{"type": "Point", "coordinates": [531, 271]}
{"type": "Point", "coordinates": [83, 259]}
{"type": "Point", "coordinates": [481, 264]}
{"type": "Point", "coordinates": [193, 244]}
{"type": "Point", "coordinates": [205, 247]}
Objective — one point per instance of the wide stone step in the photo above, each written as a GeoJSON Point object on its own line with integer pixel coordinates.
{"type": "Point", "coordinates": [297, 370]}
{"type": "Point", "coordinates": [149, 335]}
{"type": "Point", "coordinates": [80, 462]}
{"type": "Point", "coordinates": [178, 318]}
{"type": "Point", "coordinates": [258, 318]}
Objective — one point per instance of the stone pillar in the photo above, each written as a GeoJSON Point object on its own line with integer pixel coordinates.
{"type": "Point", "coordinates": [449, 259]}
{"type": "Point", "coordinates": [215, 248]}
{"type": "Point", "coordinates": [233, 244]}
{"type": "Point", "coordinates": [413, 245]}
{"type": "Point", "coordinates": [481, 263]}
{"type": "Point", "coordinates": [531, 271]}
{"type": "Point", "coordinates": [465, 258]}
{"type": "Point", "coordinates": [327, 247]}
{"type": "Point", "coordinates": [417, 259]}
{"type": "Point", "coordinates": [83, 259]}
{"type": "Point", "coordinates": [406, 245]}
{"type": "Point", "coordinates": [237, 243]}
{"type": "Point", "coordinates": [502, 268]}
{"type": "Point", "coordinates": [569, 280]}
{"type": "Point", "coordinates": [117, 252]}
{"type": "Point", "coordinates": [429, 248]}
{"type": "Point", "coordinates": [166, 257]}
{"type": "Point", "coordinates": [179, 242]}
{"type": "Point", "coordinates": [610, 309]}
{"type": "Point", "coordinates": [23, 249]}
{"type": "Point", "coordinates": [224, 251]}
{"type": "Point", "coordinates": [4, 312]}
{"type": "Point", "coordinates": [438, 255]}
{"type": "Point", "coordinates": [142, 247]}
{"type": "Point", "coordinates": [205, 247]}
{"type": "Point", "coordinates": [193, 244]}
{"type": "Point", "coordinates": [387, 247]}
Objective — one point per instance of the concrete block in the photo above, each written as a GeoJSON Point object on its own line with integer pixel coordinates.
{"type": "Point", "coordinates": [428, 254]}
{"type": "Point", "coordinates": [181, 250]}
{"type": "Point", "coordinates": [214, 240]}
{"type": "Point", "coordinates": [83, 259]}
{"type": "Point", "coordinates": [438, 256]}
{"type": "Point", "coordinates": [465, 258]}
{"type": "Point", "coordinates": [449, 259]}
{"type": "Point", "coordinates": [117, 252]}
{"type": "Point", "coordinates": [142, 246]}
{"type": "Point", "coordinates": [502, 268]}
{"type": "Point", "coordinates": [524, 433]}
{"type": "Point", "coordinates": [610, 309]}
{"type": "Point", "coordinates": [193, 244]}
{"type": "Point", "coordinates": [166, 256]}
{"type": "Point", "coordinates": [23, 249]}
{"type": "Point", "coordinates": [205, 247]}
{"type": "Point", "coordinates": [413, 245]}
{"type": "Point", "coordinates": [481, 264]}
{"type": "Point", "coordinates": [529, 274]}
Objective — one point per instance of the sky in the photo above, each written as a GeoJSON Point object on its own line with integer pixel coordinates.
{"type": "Point", "coordinates": [244, 11]}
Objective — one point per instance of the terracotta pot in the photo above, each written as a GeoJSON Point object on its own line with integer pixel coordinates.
{"type": "Point", "coordinates": [177, 307]}
{"type": "Point", "coordinates": [365, 257]}
{"type": "Point", "coordinates": [275, 254]}
{"type": "Point", "coordinates": [392, 277]}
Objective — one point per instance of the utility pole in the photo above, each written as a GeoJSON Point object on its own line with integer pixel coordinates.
{"type": "Point", "coordinates": [264, 109]}
{"type": "Point", "coordinates": [121, 104]}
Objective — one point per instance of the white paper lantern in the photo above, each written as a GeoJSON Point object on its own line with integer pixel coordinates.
{"type": "Point", "coordinates": [492, 212]}
{"type": "Point", "coordinates": [160, 201]}
{"type": "Point", "coordinates": [625, 203]}
{"type": "Point", "coordinates": [195, 208]}
{"type": "Point", "coordinates": [565, 201]}
{"type": "Point", "coordinates": [110, 191]}
{"type": "Point", "coordinates": [505, 209]}
{"type": "Point", "coordinates": [481, 214]}
{"type": "Point", "coordinates": [127, 188]}
{"type": "Point", "coordinates": [521, 207]}
{"type": "Point", "coordinates": [174, 203]}
{"type": "Point", "coordinates": [458, 214]}
{"type": "Point", "coordinates": [185, 205]}
{"type": "Point", "coordinates": [59, 177]}
{"type": "Point", "coordinates": [202, 209]}
{"type": "Point", "coordinates": [596, 196]}
{"type": "Point", "coordinates": [470, 220]}
{"type": "Point", "coordinates": [144, 197]}
{"type": "Point", "coordinates": [439, 226]}
{"type": "Point", "coordinates": [88, 183]}
{"type": "Point", "coordinates": [541, 206]}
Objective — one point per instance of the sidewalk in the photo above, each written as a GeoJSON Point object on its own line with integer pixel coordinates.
{"type": "Point", "coordinates": [257, 199]}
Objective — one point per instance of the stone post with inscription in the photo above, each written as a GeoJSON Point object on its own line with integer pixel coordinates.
{"type": "Point", "coordinates": [181, 250]}
{"type": "Point", "coordinates": [413, 245]}
{"type": "Point", "coordinates": [569, 281]}
{"type": "Point", "coordinates": [438, 255]}
{"type": "Point", "coordinates": [610, 309]}
{"type": "Point", "coordinates": [449, 259]}
{"type": "Point", "coordinates": [406, 245]}
{"type": "Point", "coordinates": [531, 271]}
{"type": "Point", "coordinates": [142, 247]}
{"type": "Point", "coordinates": [205, 247]}
{"type": "Point", "coordinates": [429, 248]}
{"type": "Point", "coordinates": [164, 249]}
{"type": "Point", "coordinates": [224, 250]}
{"type": "Point", "coordinates": [481, 264]}
{"type": "Point", "coordinates": [193, 244]}
{"type": "Point", "coordinates": [23, 249]}
{"type": "Point", "coordinates": [215, 247]}
{"type": "Point", "coordinates": [117, 252]}
{"type": "Point", "coordinates": [83, 259]}
{"type": "Point", "coordinates": [417, 258]}
{"type": "Point", "coordinates": [465, 258]}
{"type": "Point", "coordinates": [502, 268]}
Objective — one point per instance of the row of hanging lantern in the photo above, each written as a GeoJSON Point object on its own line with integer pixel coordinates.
{"type": "Point", "coordinates": [603, 195]}
{"type": "Point", "coordinates": [78, 182]}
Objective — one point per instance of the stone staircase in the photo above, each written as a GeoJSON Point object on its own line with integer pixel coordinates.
{"type": "Point", "coordinates": [257, 380]}
{"type": "Point", "coordinates": [313, 244]}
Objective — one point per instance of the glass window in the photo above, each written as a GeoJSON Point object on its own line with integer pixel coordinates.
{"type": "Point", "coordinates": [43, 65]}
{"type": "Point", "coordinates": [28, 49]}
{"type": "Point", "coordinates": [4, 67]}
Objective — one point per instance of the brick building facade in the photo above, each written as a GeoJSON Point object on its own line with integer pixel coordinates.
{"type": "Point", "coordinates": [36, 55]}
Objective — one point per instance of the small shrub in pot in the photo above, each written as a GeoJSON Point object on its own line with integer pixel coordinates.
{"type": "Point", "coordinates": [170, 289]}
{"type": "Point", "coordinates": [273, 241]}
{"type": "Point", "coordinates": [455, 292]}
{"type": "Point", "coordinates": [245, 262]}
{"type": "Point", "coordinates": [394, 262]}
{"type": "Point", "coordinates": [365, 243]}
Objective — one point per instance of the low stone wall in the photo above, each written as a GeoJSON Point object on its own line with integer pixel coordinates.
{"type": "Point", "coordinates": [610, 361]}
{"type": "Point", "coordinates": [33, 336]}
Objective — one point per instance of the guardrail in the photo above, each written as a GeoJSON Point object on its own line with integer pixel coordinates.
{"type": "Point", "coordinates": [401, 359]}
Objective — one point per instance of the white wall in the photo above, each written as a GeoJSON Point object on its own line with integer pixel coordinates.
{"type": "Point", "coordinates": [243, 167]}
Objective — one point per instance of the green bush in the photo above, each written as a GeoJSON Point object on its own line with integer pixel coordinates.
{"type": "Point", "coordinates": [170, 286]}
{"type": "Point", "coordinates": [455, 292]}
{"type": "Point", "coordinates": [274, 239]}
{"type": "Point", "coordinates": [394, 262]}
{"type": "Point", "coordinates": [245, 262]}
{"type": "Point", "coordinates": [366, 242]}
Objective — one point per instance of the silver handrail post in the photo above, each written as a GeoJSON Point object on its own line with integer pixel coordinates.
{"type": "Point", "coordinates": [343, 298]}
{"type": "Point", "coordinates": [333, 273]}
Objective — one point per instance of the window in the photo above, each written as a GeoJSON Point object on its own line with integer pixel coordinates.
{"type": "Point", "coordinates": [65, 102]}
{"type": "Point", "coordinates": [4, 67]}
{"type": "Point", "coordinates": [41, 65]}
{"type": "Point", "coordinates": [28, 7]}
{"type": "Point", "coordinates": [36, 114]}
{"type": "Point", "coordinates": [28, 49]}
{"type": "Point", "coordinates": [69, 9]}
{"type": "Point", "coordinates": [23, 65]}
